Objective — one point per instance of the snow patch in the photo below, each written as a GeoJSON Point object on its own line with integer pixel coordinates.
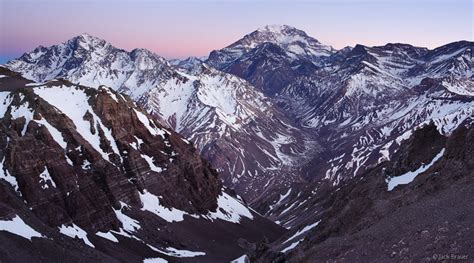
{"type": "Point", "coordinates": [45, 179]}
{"type": "Point", "coordinates": [146, 122]}
{"type": "Point", "coordinates": [152, 166]}
{"type": "Point", "coordinates": [290, 247]}
{"type": "Point", "coordinates": [410, 176]}
{"type": "Point", "coordinates": [304, 230]}
{"type": "Point", "coordinates": [184, 253]}
{"type": "Point", "coordinates": [5, 175]}
{"type": "Point", "coordinates": [107, 235]}
{"type": "Point", "coordinates": [22, 111]}
{"type": "Point", "coordinates": [229, 209]}
{"type": "Point", "coordinates": [154, 260]}
{"type": "Point", "coordinates": [241, 259]}
{"type": "Point", "coordinates": [151, 203]}
{"type": "Point", "coordinates": [18, 227]}
{"type": "Point", "coordinates": [75, 231]}
{"type": "Point", "coordinates": [57, 136]}
{"type": "Point", "coordinates": [129, 224]}
{"type": "Point", "coordinates": [173, 252]}
{"type": "Point", "coordinates": [5, 100]}
{"type": "Point", "coordinates": [282, 197]}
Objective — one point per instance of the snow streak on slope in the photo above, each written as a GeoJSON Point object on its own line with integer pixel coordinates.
{"type": "Point", "coordinates": [74, 103]}
{"type": "Point", "coordinates": [410, 176]}
{"type": "Point", "coordinates": [18, 227]}
{"type": "Point", "coordinates": [75, 231]}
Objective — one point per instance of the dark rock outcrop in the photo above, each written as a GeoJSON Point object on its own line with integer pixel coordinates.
{"type": "Point", "coordinates": [424, 220]}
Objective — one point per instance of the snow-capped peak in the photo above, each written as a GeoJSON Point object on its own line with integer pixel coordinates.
{"type": "Point", "coordinates": [92, 61]}
{"type": "Point", "coordinates": [277, 28]}
{"type": "Point", "coordinates": [277, 34]}
{"type": "Point", "coordinates": [284, 33]}
{"type": "Point", "coordinates": [295, 42]}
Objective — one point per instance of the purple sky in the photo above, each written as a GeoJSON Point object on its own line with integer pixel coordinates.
{"type": "Point", "coordinates": [180, 28]}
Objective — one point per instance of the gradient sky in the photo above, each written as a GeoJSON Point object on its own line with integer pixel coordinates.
{"type": "Point", "coordinates": [177, 29]}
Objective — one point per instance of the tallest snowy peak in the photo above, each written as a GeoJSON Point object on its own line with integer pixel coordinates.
{"type": "Point", "coordinates": [281, 33]}
{"type": "Point", "coordinates": [294, 41]}
{"type": "Point", "coordinates": [282, 30]}
{"type": "Point", "coordinates": [276, 28]}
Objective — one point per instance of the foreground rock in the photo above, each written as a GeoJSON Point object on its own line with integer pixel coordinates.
{"type": "Point", "coordinates": [415, 208]}
{"type": "Point", "coordinates": [87, 175]}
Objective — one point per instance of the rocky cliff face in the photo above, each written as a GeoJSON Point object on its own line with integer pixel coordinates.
{"type": "Point", "coordinates": [88, 163]}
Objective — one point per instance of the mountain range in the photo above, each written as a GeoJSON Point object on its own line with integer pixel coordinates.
{"type": "Point", "coordinates": [294, 126]}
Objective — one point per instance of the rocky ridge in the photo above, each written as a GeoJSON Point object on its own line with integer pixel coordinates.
{"type": "Point", "coordinates": [87, 168]}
